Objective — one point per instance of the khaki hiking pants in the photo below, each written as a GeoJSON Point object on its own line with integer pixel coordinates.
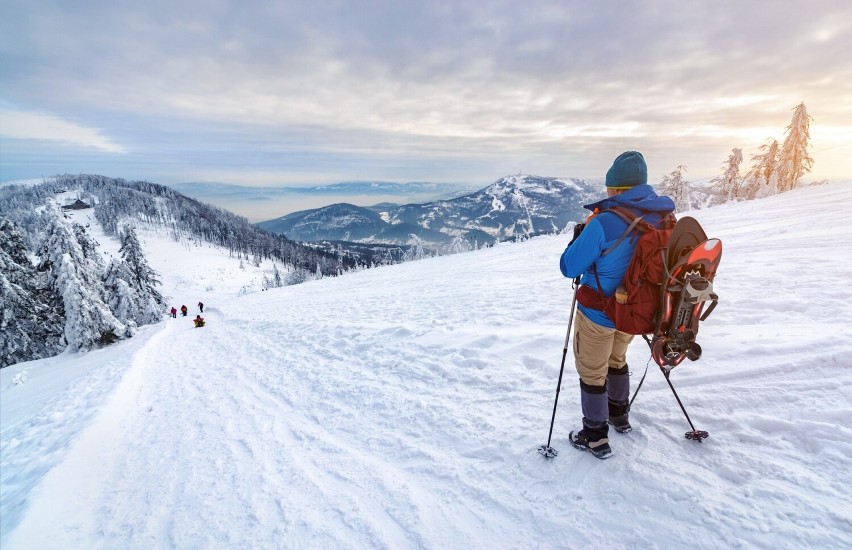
{"type": "Point", "coordinates": [596, 349]}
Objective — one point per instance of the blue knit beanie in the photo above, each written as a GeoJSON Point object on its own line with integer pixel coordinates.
{"type": "Point", "coordinates": [627, 170]}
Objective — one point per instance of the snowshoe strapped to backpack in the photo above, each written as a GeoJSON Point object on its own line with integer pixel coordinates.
{"type": "Point", "coordinates": [691, 261]}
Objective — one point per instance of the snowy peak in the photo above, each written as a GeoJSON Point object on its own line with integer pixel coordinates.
{"type": "Point", "coordinates": [527, 183]}
{"type": "Point", "coordinates": [511, 207]}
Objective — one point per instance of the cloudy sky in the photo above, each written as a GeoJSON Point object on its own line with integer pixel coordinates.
{"type": "Point", "coordinates": [311, 92]}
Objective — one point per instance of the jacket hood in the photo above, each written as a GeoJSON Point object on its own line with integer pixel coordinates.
{"type": "Point", "coordinates": [641, 197]}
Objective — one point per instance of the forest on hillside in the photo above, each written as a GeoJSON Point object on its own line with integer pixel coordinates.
{"type": "Point", "coordinates": [56, 290]}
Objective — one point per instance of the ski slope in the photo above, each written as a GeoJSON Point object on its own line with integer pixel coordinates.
{"type": "Point", "coordinates": [402, 407]}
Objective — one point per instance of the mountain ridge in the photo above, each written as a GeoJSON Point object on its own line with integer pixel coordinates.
{"type": "Point", "coordinates": [513, 206]}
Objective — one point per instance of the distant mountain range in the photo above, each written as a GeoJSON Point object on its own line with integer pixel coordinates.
{"type": "Point", "coordinates": [381, 188]}
{"type": "Point", "coordinates": [512, 207]}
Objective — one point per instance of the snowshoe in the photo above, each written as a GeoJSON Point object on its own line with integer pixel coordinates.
{"type": "Point", "coordinates": [599, 449]}
{"type": "Point", "coordinates": [692, 260]}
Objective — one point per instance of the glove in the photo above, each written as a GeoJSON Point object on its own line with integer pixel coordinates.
{"type": "Point", "coordinates": [577, 230]}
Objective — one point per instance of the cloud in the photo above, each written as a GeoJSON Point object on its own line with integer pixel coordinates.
{"type": "Point", "coordinates": [27, 125]}
{"type": "Point", "coordinates": [355, 86]}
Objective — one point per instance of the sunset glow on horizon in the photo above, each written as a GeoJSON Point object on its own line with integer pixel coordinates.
{"type": "Point", "coordinates": [293, 94]}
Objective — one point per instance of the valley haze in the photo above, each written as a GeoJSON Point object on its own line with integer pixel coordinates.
{"type": "Point", "coordinates": [264, 203]}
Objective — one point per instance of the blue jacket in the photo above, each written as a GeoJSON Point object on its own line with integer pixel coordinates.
{"type": "Point", "coordinates": [600, 233]}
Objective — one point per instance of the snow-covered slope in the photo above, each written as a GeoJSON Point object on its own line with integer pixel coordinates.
{"type": "Point", "coordinates": [401, 407]}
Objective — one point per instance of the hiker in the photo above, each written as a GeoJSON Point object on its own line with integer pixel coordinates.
{"type": "Point", "coordinates": [199, 321]}
{"type": "Point", "coordinates": [183, 310]}
{"type": "Point", "coordinates": [600, 351]}
{"type": "Point", "coordinates": [174, 312]}
{"type": "Point", "coordinates": [200, 307]}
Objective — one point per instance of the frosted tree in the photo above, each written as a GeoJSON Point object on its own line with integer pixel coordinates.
{"type": "Point", "coordinates": [277, 280]}
{"type": "Point", "coordinates": [762, 179]}
{"type": "Point", "coordinates": [89, 323]}
{"type": "Point", "coordinates": [416, 252]}
{"type": "Point", "coordinates": [298, 276]}
{"type": "Point", "coordinates": [88, 246]}
{"type": "Point", "coordinates": [459, 244]}
{"type": "Point", "coordinates": [727, 187]}
{"type": "Point", "coordinates": [793, 160]}
{"type": "Point", "coordinates": [30, 317]}
{"type": "Point", "coordinates": [677, 188]}
{"type": "Point", "coordinates": [121, 295]}
{"type": "Point", "coordinates": [142, 278]}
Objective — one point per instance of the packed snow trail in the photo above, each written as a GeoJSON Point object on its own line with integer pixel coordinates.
{"type": "Point", "coordinates": [402, 408]}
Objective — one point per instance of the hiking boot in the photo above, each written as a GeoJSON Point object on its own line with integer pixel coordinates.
{"type": "Point", "coordinates": [618, 416]}
{"type": "Point", "coordinates": [620, 423]}
{"type": "Point", "coordinates": [599, 448]}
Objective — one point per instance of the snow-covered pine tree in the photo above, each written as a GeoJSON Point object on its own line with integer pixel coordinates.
{"type": "Point", "coordinates": [761, 179]}
{"type": "Point", "coordinates": [89, 323]}
{"type": "Point", "coordinates": [677, 188]}
{"type": "Point", "coordinates": [793, 160]}
{"type": "Point", "coordinates": [88, 246]}
{"type": "Point", "coordinates": [131, 252]}
{"type": "Point", "coordinates": [726, 187]}
{"type": "Point", "coordinates": [30, 320]}
{"type": "Point", "coordinates": [144, 279]}
{"type": "Point", "coordinates": [121, 295]}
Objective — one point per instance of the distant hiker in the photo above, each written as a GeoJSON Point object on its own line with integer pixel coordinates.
{"type": "Point", "coordinates": [183, 310]}
{"type": "Point", "coordinates": [200, 307]}
{"type": "Point", "coordinates": [600, 351]}
{"type": "Point", "coordinates": [174, 313]}
{"type": "Point", "coordinates": [199, 321]}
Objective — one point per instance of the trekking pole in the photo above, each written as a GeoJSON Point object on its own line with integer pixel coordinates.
{"type": "Point", "coordinates": [639, 387]}
{"type": "Point", "coordinates": [546, 450]}
{"type": "Point", "coordinates": [695, 435]}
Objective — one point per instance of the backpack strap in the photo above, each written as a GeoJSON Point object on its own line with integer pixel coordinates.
{"type": "Point", "coordinates": [628, 217]}
{"type": "Point", "coordinates": [633, 221]}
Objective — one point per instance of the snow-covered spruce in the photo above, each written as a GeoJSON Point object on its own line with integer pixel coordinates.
{"type": "Point", "coordinates": [72, 267]}
{"type": "Point", "coordinates": [31, 325]}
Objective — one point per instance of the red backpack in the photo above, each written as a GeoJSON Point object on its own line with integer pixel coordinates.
{"type": "Point", "coordinates": [635, 306]}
